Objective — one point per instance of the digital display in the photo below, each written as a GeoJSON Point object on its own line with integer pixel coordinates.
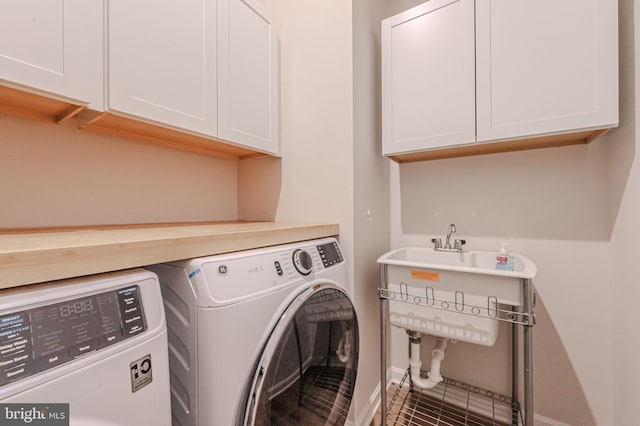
{"type": "Point", "coordinates": [330, 254]}
{"type": "Point", "coordinates": [76, 307]}
{"type": "Point", "coordinates": [40, 338]}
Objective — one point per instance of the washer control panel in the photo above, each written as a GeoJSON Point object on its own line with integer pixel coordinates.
{"type": "Point", "coordinates": [40, 338]}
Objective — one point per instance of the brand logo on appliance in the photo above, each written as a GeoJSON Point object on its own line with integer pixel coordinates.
{"type": "Point", "coordinates": [141, 374]}
{"type": "Point", "coordinates": [222, 270]}
{"type": "Point", "coordinates": [34, 414]}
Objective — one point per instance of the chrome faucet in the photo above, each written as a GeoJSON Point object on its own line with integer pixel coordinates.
{"type": "Point", "coordinates": [447, 242]}
{"type": "Point", "coordinates": [457, 244]}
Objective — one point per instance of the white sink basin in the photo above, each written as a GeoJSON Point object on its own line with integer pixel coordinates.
{"type": "Point", "coordinates": [458, 295]}
{"type": "Point", "coordinates": [477, 262]}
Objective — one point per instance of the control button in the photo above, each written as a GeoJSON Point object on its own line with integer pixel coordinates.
{"type": "Point", "coordinates": [278, 268]}
{"type": "Point", "coordinates": [83, 348]}
{"type": "Point", "coordinates": [53, 359]}
{"type": "Point", "coordinates": [222, 270]}
{"type": "Point", "coordinates": [302, 261]}
{"type": "Point", "coordinates": [131, 310]}
{"type": "Point", "coordinates": [110, 339]}
{"type": "Point", "coordinates": [134, 328]}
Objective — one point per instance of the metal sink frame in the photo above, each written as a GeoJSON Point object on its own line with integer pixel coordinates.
{"type": "Point", "coordinates": [517, 310]}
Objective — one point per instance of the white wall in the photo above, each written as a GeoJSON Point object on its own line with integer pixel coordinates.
{"type": "Point", "coordinates": [624, 249]}
{"type": "Point", "coordinates": [57, 175]}
{"type": "Point", "coordinates": [371, 197]}
{"type": "Point", "coordinates": [314, 177]}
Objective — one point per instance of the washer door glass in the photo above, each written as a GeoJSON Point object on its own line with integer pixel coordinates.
{"type": "Point", "coordinates": [307, 370]}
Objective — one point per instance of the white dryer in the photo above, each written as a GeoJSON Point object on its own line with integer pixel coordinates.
{"type": "Point", "coordinates": [86, 352]}
{"type": "Point", "coordinates": [265, 336]}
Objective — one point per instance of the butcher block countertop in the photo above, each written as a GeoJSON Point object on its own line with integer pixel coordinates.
{"type": "Point", "coordinates": [39, 255]}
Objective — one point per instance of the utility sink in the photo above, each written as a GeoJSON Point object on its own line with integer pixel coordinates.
{"type": "Point", "coordinates": [476, 262]}
{"type": "Point", "coordinates": [458, 295]}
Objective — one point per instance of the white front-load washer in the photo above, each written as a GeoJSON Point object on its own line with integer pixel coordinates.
{"type": "Point", "coordinates": [89, 351]}
{"type": "Point", "coordinates": [264, 336]}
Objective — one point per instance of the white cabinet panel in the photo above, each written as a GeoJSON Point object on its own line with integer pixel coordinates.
{"type": "Point", "coordinates": [546, 66]}
{"type": "Point", "coordinates": [248, 81]}
{"type": "Point", "coordinates": [54, 46]}
{"type": "Point", "coordinates": [428, 83]}
{"type": "Point", "coordinates": [162, 62]}
{"type": "Point", "coordinates": [40, 26]}
{"type": "Point", "coordinates": [206, 66]}
{"type": "Point", "coordinates": [540, 73]}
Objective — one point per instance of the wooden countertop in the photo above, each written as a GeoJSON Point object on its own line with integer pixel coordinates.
{"type": "Point", "coordinates": [33, 256]}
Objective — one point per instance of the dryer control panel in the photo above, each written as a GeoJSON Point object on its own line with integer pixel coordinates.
{"type": "Point", "coordinates": [234, 277]}
{"type": "Point", "coordinates": [308, 258]}
{"type": "Point", "coordinates": [43, 337]}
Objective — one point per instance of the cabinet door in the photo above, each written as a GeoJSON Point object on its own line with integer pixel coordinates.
{"type": "Point", "coordinates": [428, 77]}
{"type": "Point", "coordinates": [248, 75]}
{"type": "Point", "coordinates": [54, 46]}
{"type": "Point", "coordinates": [545, 66]}
{"type": "Point", "coordinates": [162, 62]}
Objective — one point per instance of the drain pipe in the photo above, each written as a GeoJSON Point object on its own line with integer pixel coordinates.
{"type": "Point", "coordinates": [437, 355]}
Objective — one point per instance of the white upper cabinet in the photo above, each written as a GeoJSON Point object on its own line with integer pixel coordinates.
{"type": "Point", "coordinates": [546, 66]}
{"type": "Point", "coordinates": [163, 63]}
{"type": "Point", "coordinates": [248, 75]}
{"type": "Point", "coordinates": [54, 47]}
{"type": "Point", "coordinates": [428, 77]}
{"type": "Point", "coordinates": [199, 65]}
{"type": "Point", "coordinates": [467, 76]}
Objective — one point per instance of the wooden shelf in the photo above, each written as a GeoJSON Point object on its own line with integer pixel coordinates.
{"type": "Point", "coordinates": [20, 102]}
{"type": "Point", "coordinates": [29, 256]}
{"type": "Point", "coordinates": [158, 135]}
{"type": "Point", "coordinates": [24, 104]}
{"type": "Point", "coordinates": [497, 147]}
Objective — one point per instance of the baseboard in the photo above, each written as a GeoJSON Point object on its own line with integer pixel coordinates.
{"type": "Point", "coordinates": [396, 375]}
{"type": "Point", "coordinates": [540, 420]}
{"type": "Point", "coordinates": [366, 415]}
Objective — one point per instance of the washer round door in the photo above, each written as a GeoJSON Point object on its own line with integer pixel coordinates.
{"type": "Point", "coordinates": [307, 370]}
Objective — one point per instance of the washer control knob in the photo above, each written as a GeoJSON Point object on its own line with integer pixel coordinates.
{"type": "Point", "coordinates": [302, 261]}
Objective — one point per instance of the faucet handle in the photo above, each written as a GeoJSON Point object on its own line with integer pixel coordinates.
{"type": "Point", "coordinates": [437, 243]}
{"type": "Point", "coordinates": [457, 245]}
